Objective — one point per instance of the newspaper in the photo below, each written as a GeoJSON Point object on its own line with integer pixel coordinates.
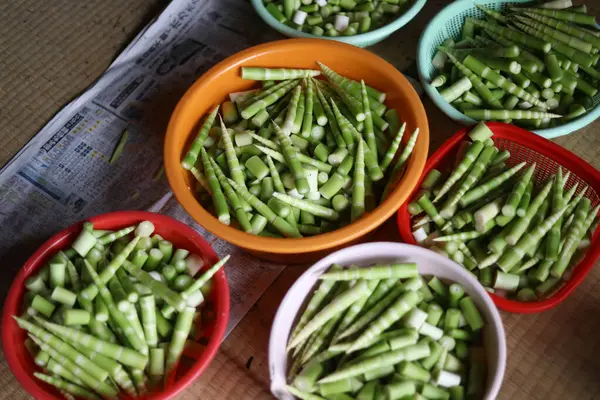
{"type": "Point", "coordinates": [63, 174]}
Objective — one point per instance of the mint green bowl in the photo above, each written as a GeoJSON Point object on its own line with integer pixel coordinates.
{"type": "Point", "coordinates": [360, 40]}
{"type": "Point", "coordinates": [448, 24]}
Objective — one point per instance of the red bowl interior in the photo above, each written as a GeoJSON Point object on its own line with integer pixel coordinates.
{"type": "Point", "coordinates": [180, 235]}
{"type": "Point", "coordinates": [529, 147]}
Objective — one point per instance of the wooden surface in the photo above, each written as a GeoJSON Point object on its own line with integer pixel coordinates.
{"type": "Point", "coordinates": [45, 61]}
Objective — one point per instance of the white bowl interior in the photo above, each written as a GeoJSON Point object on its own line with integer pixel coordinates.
{"type": "Point", "coordinates": [429, 263]}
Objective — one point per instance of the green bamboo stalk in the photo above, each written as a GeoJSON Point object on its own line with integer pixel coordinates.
{"type": "Point", "coordinates": [456, 90]}
{"type": "Point", "coordinates": [393, 148]}
{"type": "Point", "coordinates": [336, 306]}
{"type": "Point", "coordinates": [95, 384]}
{"type": "Point", "coordinates": [292, 108]}
{"type": "Point", "coordinates": [315, 302]}
{"type": "Point", "coordinates": [483, 189]}
{"type": "Point", "coordinates": [374, 310]}
{"type": "Point", "coordinates": [121, 354]}
{"type": "Point", "coordinates": [572, 41]}
{"type": "Point", "coordinates": [345, 126]}
{"type": "Point", "coordinates": [91, 291]}
{"type": "Point", "coordinates": [280, 224]}
{"type": "Point", "coordinates": [486, 72]}
{"type": "Point", "coordinates": [402, 159]}
{"type": "Point", "coordinates": [158, 288]}
{"type": "Point", "coordinates": [567, 50]}
{"type": "Point", "coordinates": [396, 310]}
{"type": "Point", "coordinates": [517, 252]}
{"type": "Point", "coordinates": [192, 156]}
{"type": "Point", "coordinates": [563, 15]}
{"type": "Point", "coordinates": [271, 95]}
{"type": "Point", "coordinates": [308, 110]}
{"type": "Point", "coordinates": [482, 90]}
{"type": "Point", "coordinates": [352, 87]}
{"type": "Point", "coordinates": [369, 133]}
{"type": "Point", "coordinates": [62, 347]}
{"type": "Point", "coordinates": [489, 115]}
{"type": "Point", "coordinates": [558, 202]}
{"type": "Point", "coordinates": [183, 326]}
{"type": "Point", "coordinates": [518, 229]}
{"type": "Point", "coordinates": [512, 202]}
{"type": "Point", "coordinates": [148, 311]}
{"type": "Point", "coordinates": [358, 189]}
{"type": "Point", "coordinates": [66, 386]}
{"type": "Point", "coordinates": [409, 353]}
{"type": "Point", "coordinates": [277, 74]}
{"type": "Point", "coordinates": [475, 173]}
{"type": "Point", "coordinates": [513, 35]}
{"type": "Point", "coordinates": [581, 223]}
{"type": "Point", "coordinates": [234, 200]}
{"type": "Point", "coordinates": [337, 134]}
{"type": "Point", "coordinates": [130, 333]}
{"type": "Point", "coordinates": [565, 27]}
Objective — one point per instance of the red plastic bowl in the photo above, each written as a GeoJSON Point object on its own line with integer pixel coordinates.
{"type": "Point", "coordinates": [523, 146]}
{"type": "Point", "coordinates": [181, 235]}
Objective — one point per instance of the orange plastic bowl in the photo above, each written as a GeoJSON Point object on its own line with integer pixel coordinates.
{"type": "Point", "coordinates": [181, 235]}
{"type": "Point", "coordinates": [213, 87]}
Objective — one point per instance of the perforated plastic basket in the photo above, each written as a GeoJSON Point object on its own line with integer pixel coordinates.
{"type": "Point", "coordinates": [182, 236]}
{"type": "Point", "coordinates": [523, 146]}
{"type": "Point", "coordinates": [360, 40]}
{"type": "Point", "coordinates": [448, 24]}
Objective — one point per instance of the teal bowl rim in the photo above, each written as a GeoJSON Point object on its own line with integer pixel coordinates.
{"type": "Point", "coordinates": [423, 64]}
{"type": "Point", "coordinates": [362, 39]}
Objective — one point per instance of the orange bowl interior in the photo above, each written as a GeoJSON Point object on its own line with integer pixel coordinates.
{"type": "Point", "coordinates": [212, 88]}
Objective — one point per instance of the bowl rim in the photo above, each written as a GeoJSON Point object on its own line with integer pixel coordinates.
{"type": "Point", "coordinates": [432, 28]}
{"type": "Point", "coordinates": [370, 37]}
{"type": "Point", "coordinates": [62, 239]}
{"type": "Point", "coordinates": [548, 149]}
{"type": "Point", "coordinates": [398, 248]}
{"type": "Point", "coordinates": [324, 241]}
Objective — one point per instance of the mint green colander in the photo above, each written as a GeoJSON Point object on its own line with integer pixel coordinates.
{"type": "Point", "coordinates": [448, 24]}
{"type": "Point", "coordinates": [360, 40]}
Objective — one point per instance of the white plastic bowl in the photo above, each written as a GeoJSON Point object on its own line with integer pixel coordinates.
{"type": "Point", "coordinates": [429, 263]}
